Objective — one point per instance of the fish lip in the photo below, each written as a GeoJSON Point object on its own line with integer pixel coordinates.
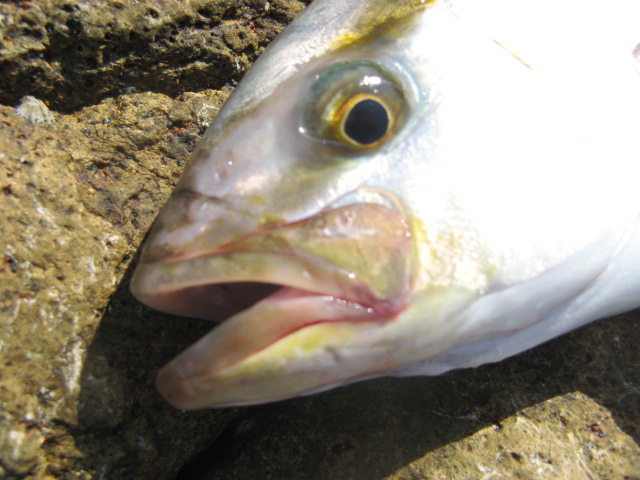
{"type": "Point", "coordinates": [183, 398]}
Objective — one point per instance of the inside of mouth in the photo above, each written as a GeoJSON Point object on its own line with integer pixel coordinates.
{"type": "Point", "coordinates": [215, 302]}
{"type": "Point", "coordinates": [220, 302]}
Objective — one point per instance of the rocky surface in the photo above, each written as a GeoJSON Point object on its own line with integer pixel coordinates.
{"type": "Point", "coordinates": [72, 53]}
{"type": "Point", "coordinates": [131, 86]}
{"type": "Point", "coordinates": [77, 196]}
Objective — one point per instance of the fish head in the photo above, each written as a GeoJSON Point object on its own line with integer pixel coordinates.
{"type": "Point", "coordinates": [335, 216]}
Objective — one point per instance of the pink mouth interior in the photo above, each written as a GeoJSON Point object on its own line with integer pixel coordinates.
{"type": "Point", "coordinates": [219, 302]}
{"type": "Point", "coordinates": [215, 302]}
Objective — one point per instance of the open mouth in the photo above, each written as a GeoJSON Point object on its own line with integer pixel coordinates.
{"type": "Point", "coordinates": [347, 264]}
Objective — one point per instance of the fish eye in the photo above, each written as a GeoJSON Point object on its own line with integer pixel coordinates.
{"type": "Point", "coordinates": [366, 122]}
{"type": "Point", "coordinates": [357, 104]}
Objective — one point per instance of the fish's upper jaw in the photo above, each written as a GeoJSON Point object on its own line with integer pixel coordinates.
{"type": "Point", "coordinates": [359, 248]}
{"type": "Point", "coordinates": [192, 223]}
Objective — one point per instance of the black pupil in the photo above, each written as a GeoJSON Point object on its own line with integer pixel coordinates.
{"type": "Point", "coordinates": [367, 122]}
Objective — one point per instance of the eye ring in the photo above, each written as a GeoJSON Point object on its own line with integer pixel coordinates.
{"type": "Point", "coordinates": [356, 106]}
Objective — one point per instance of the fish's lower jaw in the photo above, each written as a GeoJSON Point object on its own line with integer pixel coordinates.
{"type": "Point", "coordinates": [310, 360]}
{"type": "Point", "coordinates": [246, 361]}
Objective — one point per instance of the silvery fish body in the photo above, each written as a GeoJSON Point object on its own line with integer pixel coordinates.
{"type": "Point", "coordinates": [404, 187]}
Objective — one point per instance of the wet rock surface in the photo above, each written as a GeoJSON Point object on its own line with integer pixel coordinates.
{"type": "Point", "coordinates": [130, 87]}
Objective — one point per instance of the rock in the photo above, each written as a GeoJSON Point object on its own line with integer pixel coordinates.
{"type": "Point", "coordinates": [77, 197]}
{"type": "Point", "coordinates": [78, 354]}
{"type": "Point", "coordinates": [34, 110]}
{"type": "Point", "coordinates": [71, 53]}
{"type": "Point", "coordinates": [131, 86]}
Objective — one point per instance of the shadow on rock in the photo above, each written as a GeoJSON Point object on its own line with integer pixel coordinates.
{"type": "Point", "coordinates": [125, 429]}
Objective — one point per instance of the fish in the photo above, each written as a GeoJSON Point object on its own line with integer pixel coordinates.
{"type": "Point", "coordinates": [404, 187]}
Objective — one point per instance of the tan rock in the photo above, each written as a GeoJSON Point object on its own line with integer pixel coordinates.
{"type": "Point", "coordinates": [77, 353]}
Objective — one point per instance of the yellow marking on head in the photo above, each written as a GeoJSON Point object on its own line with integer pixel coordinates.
{"type": "Point", "coordinates": [290, 350]}
{"type": "Point", "coordinates": [256, 199]}
{"type": "Point", "coordinates": [379, 18]}
{"type": "Point", "coordinates": [515, 53]}
{"type": "Point", "coordinates": [269, 219]}
{"type": "Point", "coordinates": [449, 254]}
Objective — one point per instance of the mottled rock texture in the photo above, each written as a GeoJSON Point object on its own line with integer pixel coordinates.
{"type": "Point", "coordinates": [77, 195]}
{"type": "Point", "coordinates": [131, 86]}
{"type": "Point", "coordinates": [72, 53]}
